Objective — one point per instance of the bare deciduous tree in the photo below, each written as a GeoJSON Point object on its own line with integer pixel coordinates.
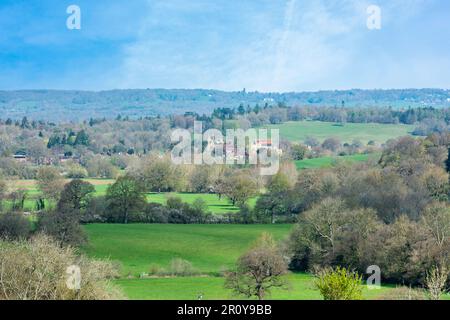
{"type": "Point", "coordinates": [259, 270]}
{"type": "Point", "coordinates": [50, 182]}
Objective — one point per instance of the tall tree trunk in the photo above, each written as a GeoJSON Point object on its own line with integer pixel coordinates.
{"type": "Point", "coordinates": [260, 291]}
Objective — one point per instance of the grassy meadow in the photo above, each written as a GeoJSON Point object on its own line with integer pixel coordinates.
{"type": "Point", "coordinates": [210, 248]}
{"type": "Point", "coordinates": [214, 203]}
{"type": "Point", "coordinates": [325, 162]}
{"type": "Point", "coordinates": [30, 186]}
{"type": "Point", "coordinates": [298, 131]}
{"type": "Point", "coordinates": [301, 287]}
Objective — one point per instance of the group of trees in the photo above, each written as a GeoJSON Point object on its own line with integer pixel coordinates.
{"type": "Point", "coordinates": [126, 202]}
{"type": "Point", "coordinates": [70, 138]}
{"type": "Point", "coordinates": [263, 267]}
{"type": "Point", "coordinates": [36, 257]}
{"type": "Point", "coordinates": [394, 213]}
{"type": "Point", "coordinates": [103, 146]}
{"type": "Point", "coordinates": [61, 220]}
{"type": "Point", "coordinates": [156, 173]}
{"type": "Point", "coordinates": [331, 234]}
{"type": "Point", "coordinates": [409, 175]}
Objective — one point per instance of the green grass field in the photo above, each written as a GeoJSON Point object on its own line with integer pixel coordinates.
{"type": "Point", "coordinates": [215, 205]}
{"type": "Point", "coordinates": [326, 162]}
{"type": "Point", "coordinates": [300, 287]}
{"type": "Point", "coordinates": [364, 132]}
{"type": "Point", "coordinates": [100, 185]}
{"type": "Point", "coordinates": [210, 248]}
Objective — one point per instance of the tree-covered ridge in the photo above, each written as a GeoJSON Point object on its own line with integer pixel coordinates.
{"type": "Point", "coordinates": [76, 105]}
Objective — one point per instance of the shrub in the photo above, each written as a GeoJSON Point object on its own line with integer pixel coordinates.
{"type": "Point", "coordinates": [155, 269]}
{"type": "Point", "coordinates": [435, 282]}
{"type": "Point", "coordinates": [96, 210]}
{"type": "Point", "coordinates": [403, 293]}
{"type": "Point", "coordinates": [76, 171]}
{"type": "Point", "coordinates": [177, 267]}
{"type": "Point", "coordinates": [37, 270]}
{"type": "Point", "coordinates": [13, 226]}
{"type": "Point", "coordinates": [100, 167]}
{"type": "Point", "coordinates": [63, 227]}
{"type": "Point", "coordinates": [181, 267]}
{"type": "Point", "coordinates": [200, 206]}
{"type": "Point", "coordinates": [152, 213]}
{"type": "Point", "coordinates": [339, 284]}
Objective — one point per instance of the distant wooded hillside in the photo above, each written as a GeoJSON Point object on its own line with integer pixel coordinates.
{"type": "Point", "coordinates": [80, 105]}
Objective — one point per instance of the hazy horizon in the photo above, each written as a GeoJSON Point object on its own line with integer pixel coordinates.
{"type": "Point", "coordinates": [225, 91]}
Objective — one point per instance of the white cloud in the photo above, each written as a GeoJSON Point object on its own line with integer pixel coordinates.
{"type": "Point", "coordinates": [312, 44]}
{"type": "Point", "coordinates": [307, 45]}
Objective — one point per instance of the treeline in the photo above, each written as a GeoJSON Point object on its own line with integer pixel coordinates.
{"type": "Point", "coordinates": [281, 113]}
{"type": "Point", "coordinates": [60, 106]}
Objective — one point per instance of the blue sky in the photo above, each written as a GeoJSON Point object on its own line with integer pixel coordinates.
{"type": "Point", "coordinates": [264, 45]}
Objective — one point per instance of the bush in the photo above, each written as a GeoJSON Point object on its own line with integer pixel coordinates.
{"type": "Point", "coordinates": [155, 269]}
{"type": "Point", "coordinates": [63, 227]}
{"type": "Point", "coordinates": [37, 270]}
{"type": "Point", "coordinates": [177, 212]}
{"type": "Point", "coordinates": [14, 226]}
{"type": "Point", "coordinates": [76, 172]}
{"type": "Point", "coordinates": [100, 167]}
{"type": "Point", "coordinates": [403, 293]}
{"type": "Point", "coordinates": [339, 284]}
{"type": "Point", "coordinates": [152, 213]}
{"type": "Point", "coordinates": [96, 210]}
{"type": "Point", "coordinates": [177, 216]}
{"type": "Point", "coordinates": [177, 268]}
{"type": "Point", "coordinates": [181, 267]}
{"type": "Point", "coordinates": [435, 282]}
